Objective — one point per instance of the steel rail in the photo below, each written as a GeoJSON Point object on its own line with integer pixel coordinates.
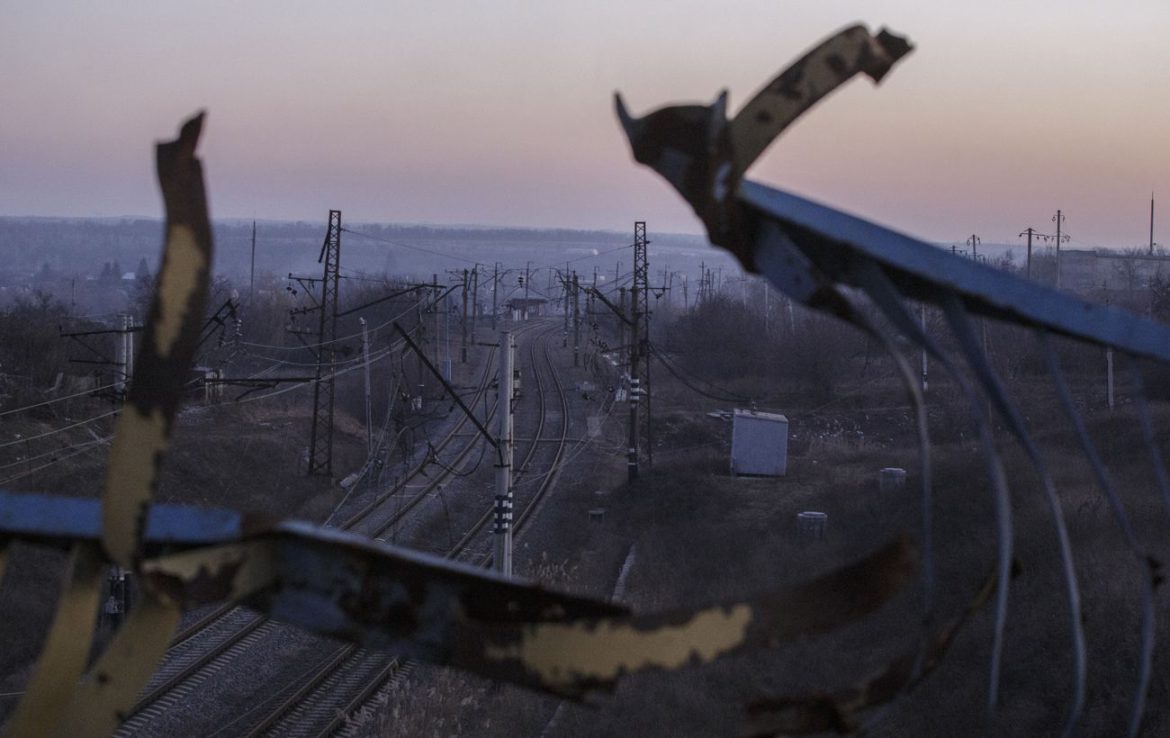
{"type": "Point", "coordinates": [274, 719]}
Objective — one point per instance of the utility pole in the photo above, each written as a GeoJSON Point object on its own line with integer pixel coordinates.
{"type": "Point", "coordinates": [973, 242]}
{"type": "Point", "coordinates": [1058, 219]}
{"type": "Point", "coordinates": [252, 279]}
{"type": "Point", "coordinates": [922, 318]}
{"type": "Point", "coordinates": [1029, 232]}
{"type": "Point", "coordinates": [495, 291]}
{"type": "Point", "coordinates": [632, 392]}
{"type": "Point", "coordinates": [567, 285]}
{"type": "Point", "coordinates": [366, 366]}
{"type": "Point", "coordinates": [435, 314]}
{"type": "Point", "coordinates": [621, 323]}
{"type": "Point", "coordinates": [527, 266]}
{"type": "Point", "coordinates": [640, 368]}
{"type": "Point", "coordinates": [1151, 224]}
{"type": "Point", "coordinates": [124, 354]}
{"type": "Point", "coordinates": [321, 437]}
{"type": "Point", "coordinates": [475, 311]}
{"type": "Point", "coordinates": [463, 342]}
{"type": "Point", "coordinates": [503, 509]}
{"type": "Point", "coordinates": [576, 321]}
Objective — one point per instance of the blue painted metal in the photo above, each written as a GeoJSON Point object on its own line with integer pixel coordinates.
{"type": "Point", "coordinates": [836, 244]}
{"type": "Point", "coordinates": [49, 518]}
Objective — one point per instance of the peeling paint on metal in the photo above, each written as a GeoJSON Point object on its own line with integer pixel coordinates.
{"type": "Point", "coordinates": [559, 652]}
{"type": "Point", "coordinates": [139, 444]}
{"type": "Point", "coordinates": [66, 648]}
{"type": "Point", "coordinates": [179, 280]}
{"type": "Point", "coordinates": [223, 573]}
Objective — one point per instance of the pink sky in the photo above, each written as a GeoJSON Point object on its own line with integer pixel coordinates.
{"type": "Point", "coordinates": [499, 112]}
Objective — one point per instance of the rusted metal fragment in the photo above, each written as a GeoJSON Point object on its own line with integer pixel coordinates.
{"type": "Point", "coordinates": [66, 648]}
{"type": "Point", "coordinates": [573, 658]}
{"type": "Point", "coordinates": [103, 700]}
{"type": "Point", "coordinates": [805, 82]}
{"type": "Point", "coordinates": [378, 596]}
{"type": "Point", "coordinates": [225, 573]}
{"type": "Point", "coordinates": [704, 156]}
{"type": "Point", "coordinates": [168, 346]}
{"type": "Point", "coordinates": [822, 712]}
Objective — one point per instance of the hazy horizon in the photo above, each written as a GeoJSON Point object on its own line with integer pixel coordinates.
{"type": "Point", "coordinates": [500, 114]}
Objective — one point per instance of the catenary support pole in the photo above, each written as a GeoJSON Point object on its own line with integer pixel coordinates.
{"type": "Point", "coordinates": [366, 367]}
{"type": "Point", "coordinates": [503, 509]}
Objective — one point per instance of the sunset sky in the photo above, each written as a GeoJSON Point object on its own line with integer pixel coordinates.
{"type": "Point", "coordinates": [500, 113]}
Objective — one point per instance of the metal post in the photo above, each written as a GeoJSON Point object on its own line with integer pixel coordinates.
{"type": "Point", "coordinates": [566, 283]}
{"type": "Point", "coordinates": [252, 279]}
{"type": "Point", "coordinates": [1029, 233]}
{"type": "Point", "coordinates": [475, 312]}
{"type": "Point", "coordinates": [124, 354]}
{"type": "Point", "coordinates": [922, 318]}
{"type": "Point", "coordinates": [1059, 219]}
{"type": "Point", "coordinates": [632, 394]}
{"type": "Point", "coordinates": [576, 321]}
{"type": "Point", "coordinates": [495, 291]}
{"type": "Point", "coordinates": [463, 343]}
{"type": "Point", "coordinates": [1109, 374]}
{"type": "Point", "coordinates": [366, 363]}
{"type": "Point", "coordinates": [435, 311]}
{"type": "Point", "coordinates": [621, 323]}
{"type": "Point", "coordinates": [503, 523]}
{"type": "Point", "coordinates": [527, 266]}
{"type": "Point", "coordinates": [321, 438]}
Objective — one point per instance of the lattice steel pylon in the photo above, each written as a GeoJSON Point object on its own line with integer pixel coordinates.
{"type": "Point", "coordinates": [321, 435]}
{"type": "Point", "coordinates": [640, 365]}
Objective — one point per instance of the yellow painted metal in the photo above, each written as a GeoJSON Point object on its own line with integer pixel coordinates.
{"type": "Point", "coordinates": [103, 700]}
{"type": "Point", "coordinates": [804, 83]}
{"type": "Point", "coordinates": [66, 647]}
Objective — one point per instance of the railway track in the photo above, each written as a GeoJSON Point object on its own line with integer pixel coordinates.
{"type": "Point", "coordinates": [321, 708]}
{"type": "Point", "coordinates": [207, 646]}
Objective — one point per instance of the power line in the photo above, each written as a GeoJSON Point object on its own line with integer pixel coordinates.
{"type": "Point", "coordinates": [46, 434]}
{"type": "Point", "coordinates": [401, 244]}
{"type": "Point", "coordinates": [57, 399]}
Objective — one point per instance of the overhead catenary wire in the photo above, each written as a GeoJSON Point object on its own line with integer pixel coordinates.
{"type": "Point", "coordinates": [83, 448]}
{"type": "Point", "coordinates": [62, 429]}
{"type": "Point", "coordinates": [63, 398]}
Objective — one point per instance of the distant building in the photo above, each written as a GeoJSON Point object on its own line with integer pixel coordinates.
{"type": "Point", "coordinates": [524, 308]}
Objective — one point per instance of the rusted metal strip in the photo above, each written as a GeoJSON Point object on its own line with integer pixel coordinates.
{"type": "Point", "coordinates": [804, 83]}
{"type": "Point", "coordinates": [105, 697]}
{"type": "Point", "coordinates": [381, 596]}
{"type": "Point", "coordinates": [704, 156]}
{"type": "Point", "coordinates": [168, 346]}
{"type": "Point", "coordinates": [573, 658]}
{"type": "Point", "coordinates": [838, 712]}
{"type": "Point", "coordinates": [66, 648]}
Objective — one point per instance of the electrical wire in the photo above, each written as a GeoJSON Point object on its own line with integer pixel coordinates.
{"type": "Point", "coordinates": [404, 245]}
{"type": "Point", "coordinates": [57, 399]}
{"type": "Point", "coordinates": [83, 448]}
{"type": "Point", "coordinates": [62, 429]}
